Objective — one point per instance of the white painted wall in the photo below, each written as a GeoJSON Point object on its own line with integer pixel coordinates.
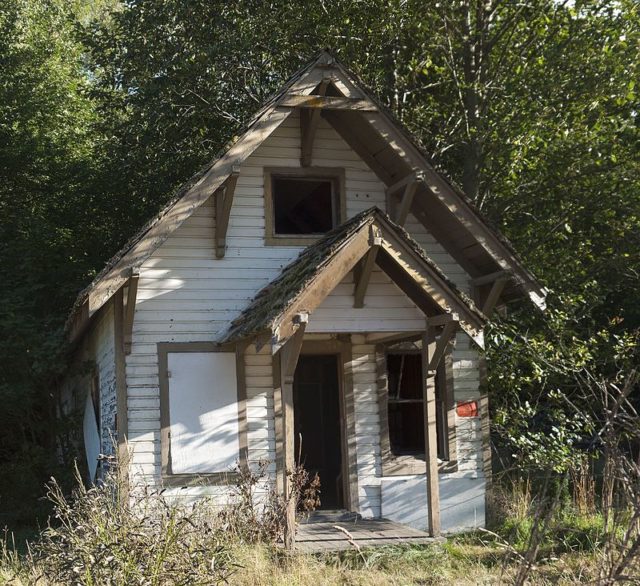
{"type": "Point", "coordinates": [186, 294]}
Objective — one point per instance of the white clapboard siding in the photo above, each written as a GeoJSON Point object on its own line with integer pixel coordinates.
{"type": "Point", "coordinates": [186, 294]}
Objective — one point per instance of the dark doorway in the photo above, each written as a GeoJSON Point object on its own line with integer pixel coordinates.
{"type": "Point", "coordinates": [316, 408]}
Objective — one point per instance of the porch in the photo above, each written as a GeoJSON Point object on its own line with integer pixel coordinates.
{"type": "Point", "coordinates": [326, 531]}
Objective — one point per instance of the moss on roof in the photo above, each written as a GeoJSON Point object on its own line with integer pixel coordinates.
{"type": "Point", "coordinates": [271, 301]}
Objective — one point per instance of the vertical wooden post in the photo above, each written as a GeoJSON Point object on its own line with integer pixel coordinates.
{"type": "Point", "coordinates": [430, 431]}
{"type": "Point", "coordinates": [289, 354]}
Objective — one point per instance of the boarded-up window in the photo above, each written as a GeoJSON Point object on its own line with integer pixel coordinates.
{"type": "Point", "coordinates": [406, 407]}
{"type": "Point", "coordinates": [203, 412]}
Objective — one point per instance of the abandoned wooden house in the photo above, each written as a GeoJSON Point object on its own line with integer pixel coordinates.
{"type": "Point", "coordinates": [317, 290]}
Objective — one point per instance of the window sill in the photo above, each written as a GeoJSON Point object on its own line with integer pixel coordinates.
{"type": "Point", "coordinates": [297, 240]}
{"type": "Point", "coordinates": [211, 479]}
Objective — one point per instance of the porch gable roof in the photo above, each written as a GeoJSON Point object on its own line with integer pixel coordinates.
{"type": "Point", "coordinates": [309, 279]}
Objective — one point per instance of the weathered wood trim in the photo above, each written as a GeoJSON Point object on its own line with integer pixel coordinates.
{"type": "Point", "coordinates": [289, 355]}
{"type": "Point", "coordinates": [278, 413]}
{"type": "Point", "coordinates": [338, 179]}
{"type": "Point", "coordinates": [223, 202]}
{"type": "Point", "coordinates": [316, 291]}
{"type": "Point", "coordinates": [168, 478]}
{"type": "Point", "coordinates": [354, 141]}
{"type": "Point", "coordinates": [405, 203]}
{"type": "Point", "coordinates": [430, 435]}
{"type": "Point", "coordinates": [122, 417]}
{"type": "Point", "coordinates": [309, 120]}
{"type": "Point", "coordinates": [363, 272]}
{"type": "Point", "coordinates": [494, 295]}
{"type": "Point", "coordinates": [389, 338]}
{"type": "Point", "coordinates": [130, 309]}
{"type": "Point", "coordinates": [241, 386]}
{"type": "Point", "coordinates": [326, 103]}
{"type": "Point", "coordinates": [442, 343]}
{"type": "Point", "coordinates": [488, 279]}
{"type": "Point", "coordinates": [405, 465]}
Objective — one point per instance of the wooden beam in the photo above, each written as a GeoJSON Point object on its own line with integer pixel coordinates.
{"type": "Point", "coordinates": [442, 319]}
{"type": "Point", "coordinates": [430, 432]}
{"type": "Point", "coordinates": [494, 295]}
{"type": "Point", "coordinates": [488, 279]}
{"type": "Point", "coordinates": [223, 202]}
{"type": "Point", "coordinates": [122, 418]}
{"type": "Point", "coordinates": [327, 103]}
{"type": "Point", "coordinates": [414, 177]}
{"type": "Point", "coordinates": [341, 126]}
{"type": "Point", "coordinates": [309, 120]}
{"type": "Point", "coordinates": [289, 355]}
{"type": "Point", "coordinates": [130, 308]}
{"type": "Point", "coordinates": [406, 203]}
{"type": "Point", "coordinates": [441, 344]}
{"type": "Point", "coordinates": [364, 269]}
{"type": "Point", "coordinates": [387, 338]}
{"type": "Point", "coordinates": [321, 285]}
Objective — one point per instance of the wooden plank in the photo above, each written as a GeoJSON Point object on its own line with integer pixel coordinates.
{"type": "Point", "coordinates": [130, 309]}
{"type": "Point", "coordinates": [490, 278]}
{"type": "Point", "coordinates": [406, 203]}
{"type": "Point", "coordinates": [364, 269]}
{"type": "Point", "coordinates": [281, 471]}
{"type": "Point", "coordinates": [350, 455]}
{"type": "Point", "coordinates": [341, 126]}
{"type": "Point", "coordinates": [442, 344]}
{"type": "Point", "coordinates": [327, 103]}
{"type": "Point", "coordinates": [241, 385]}
{"type": "Point", "coordinates": [289, 355]}
{"type": "Point", "coordinates": [430, 432]}
{"type": "Point", "coordinates": [494, 295]}
{"type": "Point", "coordinates": [223, 203]}
{"type": "Point", "coordinates": [414, 177]}
{"type": "Point", "coordinates": [309, 120]}
{"type": "Point", "coordinates": [122, 419]}
{"type": "Point", "coordinates": [322, 284]}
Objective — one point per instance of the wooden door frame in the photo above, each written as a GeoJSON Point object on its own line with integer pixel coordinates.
{"type": "Point", "coordinates": [341, 348]}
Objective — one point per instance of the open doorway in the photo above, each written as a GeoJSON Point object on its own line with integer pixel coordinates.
{"type": "Point", "coordinates": [318, 441]}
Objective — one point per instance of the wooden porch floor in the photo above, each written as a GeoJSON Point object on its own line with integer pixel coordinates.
{"type": "Point", "coordinates": [337, 530]}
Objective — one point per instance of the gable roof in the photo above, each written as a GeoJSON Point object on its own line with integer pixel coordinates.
{"type": "Point", "coordinates": [325, 263]}
{"type": "Point", "coordinates": [452, 219]}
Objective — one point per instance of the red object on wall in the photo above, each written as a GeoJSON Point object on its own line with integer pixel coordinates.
{"type": "Point", "coordinates": [467, 409]}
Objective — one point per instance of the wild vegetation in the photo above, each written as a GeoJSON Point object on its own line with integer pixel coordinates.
{"type": "Point", "coordinates": [531, 106]}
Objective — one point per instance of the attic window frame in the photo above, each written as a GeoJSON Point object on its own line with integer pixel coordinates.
{"type": "Point", "coordinates": [334, 174]}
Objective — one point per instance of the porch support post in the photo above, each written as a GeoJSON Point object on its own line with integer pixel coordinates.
{"type": "Point", "coordinates": [494, 295]}
{"type": "Point", "coordinates": [289, 354]}
{"type": "Point", "coordinates": [430, 431]}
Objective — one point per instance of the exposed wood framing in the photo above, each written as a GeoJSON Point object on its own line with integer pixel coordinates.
{"type": "Point", "coordinates": [390, 338]}
{"type": "Point", "coordinates": [241, 384]}
{"type": "Point", "coordinates": [223, 202]}
{"type": "Point", "coordinates": [327, 102]}
{"type": "Point", "coordinates": [340, 125]}
{"type": "Point", "coordinates": [316, 291]}
{"type": "Point", "coordinates": [289, 355]}
{"type": "Point", "coordinates": [441, 345]}
{"type": "Point", "coordinates": [494, 295]}
{"type": "Point", "coordinates": [430, 432]}
{"type": "Point", "coordinates": [130, 309]}
{"type": "Point", "coordinates": [490, 278]}
{"type": "Point", "coordinates": [122, 419]}
{"type": "Point", "coordinates": [364, 269]}
{"type": "Point", "coordinates": [309, 120]}
{"type": "Point", "coordinates": [405, 203]}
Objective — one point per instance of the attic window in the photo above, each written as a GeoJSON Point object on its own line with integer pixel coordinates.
{"type": "Point", "coordinates": [301, 204]}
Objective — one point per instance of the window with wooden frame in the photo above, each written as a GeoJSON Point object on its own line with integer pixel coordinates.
{"type": "Point", "coordinates": [402, 413]}
{"type": "Point", "coordinates": [202, 412]}
{"type": "Point", "coordinates": [302, 204]}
